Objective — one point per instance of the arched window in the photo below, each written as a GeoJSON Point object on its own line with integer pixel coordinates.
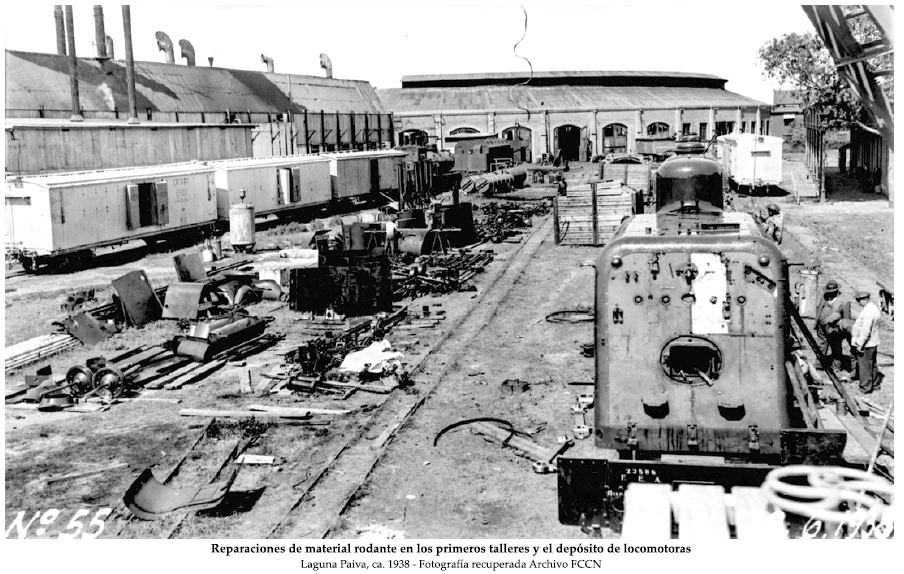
{"type": "Point", "coordinates": [458, 131]}
{"type": "Point", "coordinates": [658, 129]}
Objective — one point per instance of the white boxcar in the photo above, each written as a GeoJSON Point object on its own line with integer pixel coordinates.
{"type": "Point", "coordinates": [63, 213]}
{"type": "Point", "coordinates": [272, 184]}
{"type": "Point", "coordinates": [751, 160]}
{"type": "Point", "coordinates": [359, 173]}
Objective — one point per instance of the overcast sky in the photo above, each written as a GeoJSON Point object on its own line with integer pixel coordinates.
{"type": "Point", "coordinates": [380, 43]}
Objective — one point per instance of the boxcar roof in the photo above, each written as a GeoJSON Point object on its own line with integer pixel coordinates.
{"type": "Point", "coordinates": [365, 154]}
{"type": "Point", "coordinates": [100, 176]}
{"type": "Point", "coordinates": [254, 162]}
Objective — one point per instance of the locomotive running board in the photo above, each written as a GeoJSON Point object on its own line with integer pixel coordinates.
{"type": "Point", "coordinates": [592, 481]}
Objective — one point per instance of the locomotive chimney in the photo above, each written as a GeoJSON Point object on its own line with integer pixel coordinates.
{"type": "Point", "coordinates": [73, 67]}
{"type": "Point", "coordinates": [60, 29]}
{"type": "Point", "coordinates": [268, 61]}
{"type": "Point", "coordinates": [109, 43]}
{"type": "Point", "coordinates": [188, 52]}
{"type": "Point", "coordinates": [165, 45]}
{"type": "Point", "coordinates": [210, 60]}
{"type": "Point", "coordinates": [100, 38]}
{"type": "Point", "coordinates": [327, 65]}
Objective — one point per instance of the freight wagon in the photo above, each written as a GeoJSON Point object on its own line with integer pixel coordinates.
{"type": "Point", "coordinates": [751, 161]}
{"type": "Point", "coordinates": [66, 216]}
{"type": "Point", "coordinates": [354, 175]}
{"type": "Point", "coordinates": [273, 185]}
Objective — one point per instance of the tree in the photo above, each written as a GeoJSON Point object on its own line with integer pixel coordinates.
{"type": "Point", "coordinates": [801, 61]}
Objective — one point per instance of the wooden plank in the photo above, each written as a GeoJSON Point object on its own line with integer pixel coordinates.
{"type": "Point", "coordinates": [648, 512]}
{"type": "Point", "coordinates": [235, 414]}
{"type": "Point", "coordinates": [205, 370]}
{"type": "Point", "coordinates": [752, 518]}
{"type": "Point", "coordinates": [859, 433]}
{"type": "Point", "coordinates": [299, 411]}
{"type": "Point", "coordinates": [168, 378]}
{"type": "Point", "coordinates": [853, 453]}
{"type": "Point", "coordinates": [701, 512]}
{"type": "Point", "coordinates": [255, 459]}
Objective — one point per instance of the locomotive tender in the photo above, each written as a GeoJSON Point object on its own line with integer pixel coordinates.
{"type": "Point", "coordinates": [692, 335]}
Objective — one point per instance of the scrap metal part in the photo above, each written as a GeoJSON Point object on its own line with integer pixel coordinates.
{"type": "Point", "coordinates": [148, 498]}
{"type": "Point", "coordinates": [87, 329]}
{"type": "Point", "coordinates": [138, 298]}
{"type": "Point", "coordinates": [207, 339]}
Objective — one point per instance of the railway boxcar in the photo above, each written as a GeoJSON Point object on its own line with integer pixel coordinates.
{"type": "Point", "coordinates": [68, 215]}
{"type": "Point", "coordinates": [692, 335]}
{"type": "Point", "coordinates": [272, 184]}
{"type": "Point", "coordinates": [358, 174]}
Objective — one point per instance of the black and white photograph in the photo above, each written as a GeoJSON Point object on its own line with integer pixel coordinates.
{"type": "Point", "coordinates": [537, 284]}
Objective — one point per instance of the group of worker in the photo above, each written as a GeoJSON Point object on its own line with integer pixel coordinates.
{"type": "Point", "coordinates": [834, 326]}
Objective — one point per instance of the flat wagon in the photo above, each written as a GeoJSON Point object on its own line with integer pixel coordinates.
{"type": "Point", "coordinates": [68, 215]}
{"type": "Point", "coordinates": [272, 184]}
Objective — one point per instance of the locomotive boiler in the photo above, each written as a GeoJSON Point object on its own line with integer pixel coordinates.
{"type": "Point", "coordinates": [692, 335]}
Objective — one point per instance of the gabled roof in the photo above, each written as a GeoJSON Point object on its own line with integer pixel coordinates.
{"type": "Point", "coordinates": [561, 78]}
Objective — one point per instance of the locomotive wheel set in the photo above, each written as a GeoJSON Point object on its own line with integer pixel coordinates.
{"type": "Point", "coordinates": [693, 331]}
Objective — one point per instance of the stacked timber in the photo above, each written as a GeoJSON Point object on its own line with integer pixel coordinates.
{"type": "Point", "coordinates": [591, 213]}
{"type": "Point", "coordinates": [37, 349]}
{"type": "Point", "coordinates": [634, 175]}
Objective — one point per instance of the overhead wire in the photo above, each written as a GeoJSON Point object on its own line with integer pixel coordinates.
{"type": "Point", "coordinates": [515, 50]}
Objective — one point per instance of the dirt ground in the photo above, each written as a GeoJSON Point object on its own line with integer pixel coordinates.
{"type": "Point", "coordinates": [404, 485]}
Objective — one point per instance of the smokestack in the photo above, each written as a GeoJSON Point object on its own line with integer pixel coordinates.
{"type": "Point", "coordinates": [73, 67]}
{"type": "Point", "coordinates": [210, 60]}
{"type": "Point", "coordinates": [130, 63]}
{"type": "Point", "coordinates": [327, 65]}
{"type": "Point", "coordinates": [100, 38]}
{"type": "Point", "coordinates": [269, 62]}
{"type": "Point", "coordinates": [60, 29]}
{"type": "Point", "coordinates": [165, 45]}
{"type": "Point", "coordinates": [109, 44]}
{"type": "Point", "coordinates": [188, 52]}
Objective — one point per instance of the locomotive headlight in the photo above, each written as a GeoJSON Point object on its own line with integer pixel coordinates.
{"type": "Point", "coordinates": [764, 261]}
{"type": "Point", "coordinates": [616, 262]}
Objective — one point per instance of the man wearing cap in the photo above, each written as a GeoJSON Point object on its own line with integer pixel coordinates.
{"type": "Point", "coordinates": [829, 330]}
{"type": "Point", "coordinates": [865, 342]}
{"type": "Point", "coordinates": [774, 223]}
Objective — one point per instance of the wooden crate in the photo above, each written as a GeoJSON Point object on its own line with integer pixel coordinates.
{"type": "Point", "coordinates": [590, 214]}
{"type": "Point", "coordinates": [635, 176]}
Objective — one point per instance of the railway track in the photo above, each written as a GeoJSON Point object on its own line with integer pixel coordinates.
{"type": "Point", "coordinates": [326, 494]}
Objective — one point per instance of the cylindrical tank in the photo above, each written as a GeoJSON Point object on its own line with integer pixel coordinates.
{"type": "Point", "coordinates": [808, 292]}
{"type": "Point", "coordinates": [241, 226]}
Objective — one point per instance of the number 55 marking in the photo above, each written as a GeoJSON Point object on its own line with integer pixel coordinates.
{"type": "Point", "coordinates": [77, 525]}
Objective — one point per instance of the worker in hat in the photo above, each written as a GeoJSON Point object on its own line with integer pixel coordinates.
{"type": "Point", "coordinates": [865, 342]}
{"type": "Point", "coordinates": [774, 223]}
{"type": "Point", "coordinates": [829, 328]}
{"type": "Point", "coordinates": [562, 186]}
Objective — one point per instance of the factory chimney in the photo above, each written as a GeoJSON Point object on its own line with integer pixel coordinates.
{"type": "Point", "coordinates": [268, 61]}
{"type": "Point", "coordinates": [188, 52]}
{"type": "Point", "coordinates": [165, 45]}
{"type": "Point", "coordinates": [130, 63]}
{"type": "Point", "coordinates": [73, 67]}
{"type": "Point", "coordinates": [109, 44]}
{"type": "Point", "coordinates": [327, 65]}
{"type": "Point", "coordinates": [210, 60]}
{"type": "Point", "coordinates": [60, 29]}
{"type": "Point", "coordinates": [100, 38]}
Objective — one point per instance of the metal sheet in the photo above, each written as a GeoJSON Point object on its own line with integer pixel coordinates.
{"type": "Point", "coordinates": [138, 298]}
{"type": "Point", "coordinates": [87, 329]}
{"type": "Point", "coordinates": [183, 300]}
{"type": "Point", "coordinates": [189, 268]}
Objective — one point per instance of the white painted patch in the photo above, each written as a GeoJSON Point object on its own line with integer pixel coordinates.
{"type": "Point", "coordinates": [710, 288]}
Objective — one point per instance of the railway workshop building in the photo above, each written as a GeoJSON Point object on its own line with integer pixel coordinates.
{"type": "Point", "coordinates": [185, 112]}
{"type": "Point", "coordinates": [581, 114]}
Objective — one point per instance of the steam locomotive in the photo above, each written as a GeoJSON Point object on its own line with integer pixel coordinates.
{"type": "Point", "coordinates": [692, 334]}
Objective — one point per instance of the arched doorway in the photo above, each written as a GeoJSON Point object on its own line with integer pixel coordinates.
{"type": "Point", "coordinates": [615, 139]}
{"type": "Point", "coordinates": [413, 137]}
{"type": "Point", "coordinates": [458, 131]}
{"type": "Point", "coordinates": [568, 142]}
{"type": "Point", "coordinates": [521, 138]}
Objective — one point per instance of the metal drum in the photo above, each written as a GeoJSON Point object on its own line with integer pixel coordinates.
{"type": "Point", "coordinates": [241, 226]}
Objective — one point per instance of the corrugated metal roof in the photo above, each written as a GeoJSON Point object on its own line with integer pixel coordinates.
{"type": "Point", "coordinates": [426, 100]}
{"type": "Point", "coordinates": [53, 123]}
{"type": "Point", "coordinates": [35, 80]}
{"type": "Point", "coordinates": [556, 74]}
